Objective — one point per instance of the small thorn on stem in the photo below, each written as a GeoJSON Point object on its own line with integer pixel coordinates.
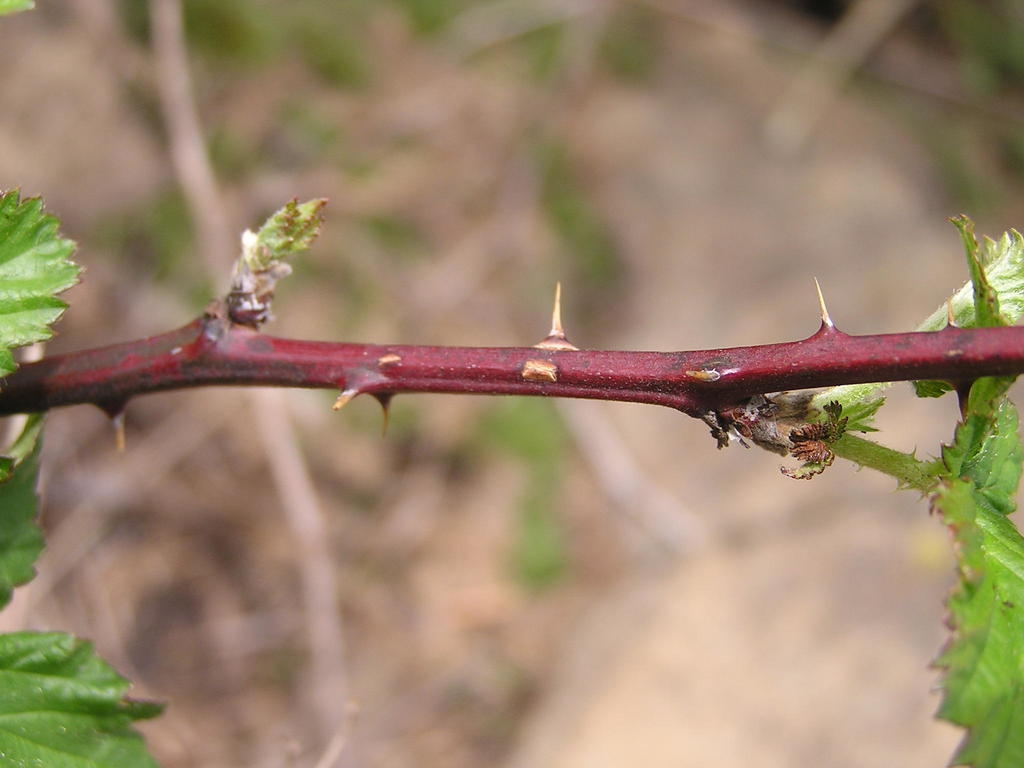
{"type": "Point", "coordinates": [115, 410]}
{"type": "Point", "coordinates": [384, 398]}
{"type": "Point", "coordinates": [556, 313]}
{"type": "Point", "coordinates": [826, 320]}
{"type": "Point", "coordinates": [556, 336]}
{"type": "Point", "coordinates": [117, 421]}
{"type": "Point", "coordinates": [344, 398]}
{"type": "Point", "coordinates": [950, 319]}
{"type": "Point", "coordinates": [963, 394]}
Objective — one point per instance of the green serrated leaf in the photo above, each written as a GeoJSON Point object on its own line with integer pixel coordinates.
{"type": "Point", "coordinates": [290, 230]}
{"type": "Point", "coordinates": [35, 266]}
{"type": "Point", "coordinates": [986, 298]}
{"type": "Point", "coordinates": [64, 707]}
{"type": "Point", "coordinates": [263, 262]}
{"type": "Point", "coordinates": [859, 401]}
{"type": "Point", "coordinates": [21, 541]}
{"type": "Point", "coordinates": [806, 471]}
{"type": "Point", "coordinates": [984, 660]}
{"type": "Point", "coordinates": [1003, 263]}
{"type": "Point", "coordinates": [13, 6]}
{"type": "Point", "coordinates": [860, 414]}
{"type": "Point", "coordinates": [993, 296]}
{"type": "Point", "coordinates": [22, 446]}
{"type": "Point", "coordinates": [974, 448]}
{"type": "Point", "coordinates": [929, 388]}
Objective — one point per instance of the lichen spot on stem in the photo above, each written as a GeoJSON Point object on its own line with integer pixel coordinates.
{"type": "Point", "coordinates": [704, 374]}
{"type": "Point", "coordinates": [540, 370]}
{"type": "Point", "coordinates": [710, 370]}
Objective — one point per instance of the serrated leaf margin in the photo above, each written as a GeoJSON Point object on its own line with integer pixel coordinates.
{"type": "Point", "coordinates": [35, 267]}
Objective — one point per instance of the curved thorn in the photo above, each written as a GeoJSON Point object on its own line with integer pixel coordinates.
{"type": "Point", "coordinates": [384, 398]}
{"type": "Point", "coordinates": [115, 410]}
{"type": "Point", "coordinates": [950, 319]}
{"type": "Point", "coordinates": [963, 394]}
{"type": "Point", "coordinates": [826, 320]}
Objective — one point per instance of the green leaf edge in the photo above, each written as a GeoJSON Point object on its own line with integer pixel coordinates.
{"type": "Point", "coordinates": [25, 227]}
{"type": "Point", "coordinates": [21, 540]}
{"type": "Point", "coordinates": [288, 231]}
{"type": "Point", "coordinates": [1000, 264]}
{"type": "Point", "coordinates": [982, 687]}
{"type": "Point", "coordinates": [14, 6]}
{"type": "Point", "coordinates": [74, 706]}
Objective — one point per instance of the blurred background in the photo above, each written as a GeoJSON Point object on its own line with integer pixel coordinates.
{"type": "Point", "coordinates": [507, 582]}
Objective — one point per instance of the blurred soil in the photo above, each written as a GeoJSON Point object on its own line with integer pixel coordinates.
{"type": "Point", "coordinates": [520, 583]}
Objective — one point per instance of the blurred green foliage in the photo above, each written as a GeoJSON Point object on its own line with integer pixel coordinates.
{"type": "Point", "coordinates": [587, 240]}
{"type": "Point", "coordinates": [245, 35]}
{"type": "Point", "coordinates": [154, 239]}
{"type": "Point", "coordinates": [227, 31]}
{"type": "Point", "coordinates": [330, 38]}
{"type": "Point", "coordinates": [531, 430]}
{"type": "Point", "coordinates": [12, 6]}
{"type": "Point", "coordinates": [428, 17]}
{"type": "Point", "coordinates": [989, 37]}
{"type": "Point", "coordinates": [232, 31]}
{"type": "Point", "coordinates": [1013, 151]}
{"type": "Point", "coordinates": [398, 235]}
{"type": "Point", "coordinates": [232, 157]}
{"type": "Point", "coordinates": [334, 54]}
{"type": "Point", "coordinates": [155, 234]}
{"type": "Point", "coordinates": [544, 51]}
{"type": "Point", "coordinates": [632, 43]}
{"type": "Point", "coordinates": [302, 135]}
{"type": "Point", "coordinates": [969, 185]}
{"type": "Point", "coordinates": [629, 48]}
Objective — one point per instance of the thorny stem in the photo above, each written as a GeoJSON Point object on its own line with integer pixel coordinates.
{"type": "Point", "coordinates": [910, 472]}
{"type": "Point", "coordinates": [213, 351]}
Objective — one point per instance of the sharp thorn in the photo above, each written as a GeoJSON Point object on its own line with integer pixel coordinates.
{"type": "Point", "coordinates": [556, 313]}
{"type": "Point", "coordinates": [344, 398]}
{"type": "Point", "coordinates": [556, 336]}
{"type": "Point", "coordinates": [826, 320]}
{"type": "Point", "coordinates": [384, 398]}
{"type": "Point", "coordinates": [115, 410]}
{"type": "Point", "coordinates": [963, 394]}
{"type": "Point", "coordinates": [117, 420]}
{"type": "Point", "coordinates": [950, 319]}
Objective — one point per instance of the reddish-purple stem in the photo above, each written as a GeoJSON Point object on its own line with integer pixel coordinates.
{"type": "Point", "coordinates": [212, 351]}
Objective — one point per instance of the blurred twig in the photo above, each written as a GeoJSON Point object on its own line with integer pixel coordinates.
{"type": "Point", "coordinates": [327, 678]}
{"type": "Point", "coordinates": [914, 70]}
{"type": "Point", "coordinates": [186, 144]}
{"type": "Point", "coordinates": [328, 681]}
{"type": "Point", "coordinates": [634, 496]}
{"type": "Point", "coordinates": [637, 498]}
{"type": "Point", "coordinates": [143, 468]}
{"type": "Point", "coordinates": [830, 66]}
{"type": "Point", "coordinates": [487, 24]}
